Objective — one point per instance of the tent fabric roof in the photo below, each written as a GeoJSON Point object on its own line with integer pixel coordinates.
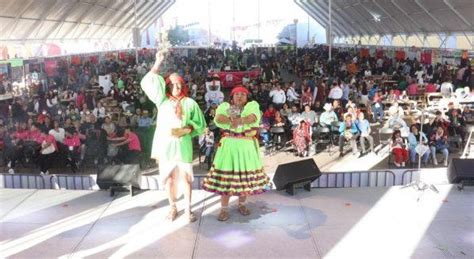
{"type": "Point", "coordinates": [47, 20]}
{"type": "Point", "coordinates": [391, 17]}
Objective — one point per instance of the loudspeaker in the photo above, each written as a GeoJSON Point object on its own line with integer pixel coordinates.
{"type": "Point", "coordinates": [116, 177]}
{"type": "Point", "coordinates": [137, 38]}
{"type": "Point", "coordinates": [461, 170]}
{"type": "Point", "coordinates": [300, 173]}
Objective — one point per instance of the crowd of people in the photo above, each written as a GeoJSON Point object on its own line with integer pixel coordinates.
{"type": "Point", "coordinates": [82, 117]}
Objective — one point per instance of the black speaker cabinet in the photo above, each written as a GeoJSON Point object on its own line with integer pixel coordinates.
{"type": "Point", "coordinates": [291, 175]}
{"type": "Point", "coordinates": [119, 177]}
{"type": "Point", "coordinates": [461, 171]}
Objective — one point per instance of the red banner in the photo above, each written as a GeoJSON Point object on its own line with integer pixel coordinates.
{"type": "Point", "coordinates": [50, 67]}
{"type": "Point", "coordinates": [231, 79]}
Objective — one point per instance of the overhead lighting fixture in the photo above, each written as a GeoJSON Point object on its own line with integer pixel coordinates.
{"type": "Point", "coordinates": [376, 17]}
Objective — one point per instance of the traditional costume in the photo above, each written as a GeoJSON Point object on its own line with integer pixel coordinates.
{"type": "Point", "coordinates": [173, 113]}
{"type": "Point", "coordinates": [237, 169]}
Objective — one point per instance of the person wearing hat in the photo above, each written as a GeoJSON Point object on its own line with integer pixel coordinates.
{"type": "Point", "coordinates": [328, 116]}
{"type": "Point", "coordinates": [237, 168]}
{"type": "Point", "coordinates": [213, 91]}
{"type": "Point", "coordinates": [179, 119]}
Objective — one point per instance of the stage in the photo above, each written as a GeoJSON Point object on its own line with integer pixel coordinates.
{"type": "Point", "coordinates": [384, 222]}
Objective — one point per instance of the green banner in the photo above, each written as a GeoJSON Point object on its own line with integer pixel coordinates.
{"type": "Point", "coordinates": [16, 62]}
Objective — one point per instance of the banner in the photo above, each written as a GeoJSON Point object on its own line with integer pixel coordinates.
{"type": "Point", "coordinates": [231, 79]}
{"type": "Point", "coordinates": [50, 67]}
{"type": "Point", "coordinates": [76, 60]}
{"type": "Point", "coordinates": [400, 55]}
{"type": "Point", "coordinates": [16, 62]}
{"type": "Point", "coordinates": [426, 57]}
{"type": "Point", "coordinates": [364, 53]}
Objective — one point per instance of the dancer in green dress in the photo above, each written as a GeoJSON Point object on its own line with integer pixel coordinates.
{"type": "Point", "coordinates": [237, 169]}
{"type": "Point", "coordinates": [179, 120]}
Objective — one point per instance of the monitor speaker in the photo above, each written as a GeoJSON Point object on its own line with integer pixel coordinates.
{"type": "Point", "coordinates": [119, 177]}
{"type": "Point", "coordinates": [461, 171]}
{"type": "Point", "coordinates": [291, 175]}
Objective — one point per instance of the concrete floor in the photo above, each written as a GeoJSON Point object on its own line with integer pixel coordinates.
{"type": "Point", "coordinates": [333, 223]}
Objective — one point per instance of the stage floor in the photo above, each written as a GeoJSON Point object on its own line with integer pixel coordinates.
{"type": "Point", "coordinates": [334, 223]}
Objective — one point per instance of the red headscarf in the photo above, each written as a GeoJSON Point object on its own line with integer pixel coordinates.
{"type": "Point", "coordinates": [239, 89]}
{"type": "Point", "coordinates": [184, 93]}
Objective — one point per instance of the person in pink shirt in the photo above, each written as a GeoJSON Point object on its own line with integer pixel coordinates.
{"type": "Point", "coordinates": [21, 132]}
{"type": "Point", "coordinates": [412, 89]}
{"type": "Point", "coordinates": [72, 143]}
{"type": "Point", "coordinates": [430, 87]}
{"type": "Point", "coordinates": [81, 98]}
{"type": "Point", "coordinates": [34, 134]}
{"type": "Point", "coordinates": [133, 149]}
{"type": "Point", "coordinates": [48, 152]}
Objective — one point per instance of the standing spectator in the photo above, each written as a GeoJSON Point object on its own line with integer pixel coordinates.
{"type": "Point", "coordinates": [302, 138]}
{"type": "Point", "coordinates": [377, 107]}
{"type": "Point", "coordinates": [414, 141]}
{"type": "Point", "coordinates": [57, 132]}
{"type": "Point", "coordinates": [278, 97]}
{"type": "Point", "coordinates": [291, 93]}
{"type": "Point", "coordinates": [206, 143]}
{"type": "Point", "coordinates": [47, 152]}
{"type": "Point", "coordinates": [132, 152]}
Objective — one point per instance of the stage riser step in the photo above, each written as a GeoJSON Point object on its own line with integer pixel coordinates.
{"type": "Point", "coordinates": [151, 182]}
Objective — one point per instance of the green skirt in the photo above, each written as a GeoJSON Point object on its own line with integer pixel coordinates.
{"type": "Point", "coordinates": [237, 169]}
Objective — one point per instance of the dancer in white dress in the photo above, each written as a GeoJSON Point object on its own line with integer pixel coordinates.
{"type": "Point", "coordinates": [179, 120]}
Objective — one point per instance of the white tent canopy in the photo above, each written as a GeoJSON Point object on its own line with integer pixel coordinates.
{"type": "Point", "coordinates": [393, 17]}
{"type": "Point", "coordinates": [57, 20]}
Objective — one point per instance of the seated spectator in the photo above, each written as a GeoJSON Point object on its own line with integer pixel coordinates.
{"type": "Point", "coordinates": [338, 109]}
{"type": "Point", "coordinates": [309, 116]}
{"type": "Point", "coordinates": [439, 143]}
{"type": "Point", "coordinates": [439, 121]}
{"type": "Point", "coordinates": [352, 112]}
{"type": "Point", "coordinates": [34, 134]}
{"type": "Point", "coordinates": [302, 138]}
{"type": "Point", "coordinates": [446, 89]}
{"type": "Point", "coordinates": [270, 113]}
{"type": "Point", "coordinates": [294, 117]}
{"type": "Point", "coordinates": [13, 150]}
{"type": "Point", "coordinates": [412, 89]}
{"type": "Point", "coordinates": [265, 130]}
{"type": "Point", "coordinates": [328, 116]}
{"type": "Point", "coordinates": [109, 126]}
{"type": "Point", "coordinates": [364, 128]}
{"type": "Point", "coordinates": [430, 87]}
{"type": "Point", "coordinates": [285, 111]}
{"type": "Point", "coordinates": [414, 141]}
{"type": "Point", "coordinates": [392, 97]}
{"type": "Point", "coordinates": [457, 125]}
{"type": "Point", "coordinates": [306, 97]}
{"type": "Point", "coordinates": [348, 132]}
{"type": "Point", "coordinates": [400, 154]}
{"type": "Point", "coordinates": [467, 114]}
